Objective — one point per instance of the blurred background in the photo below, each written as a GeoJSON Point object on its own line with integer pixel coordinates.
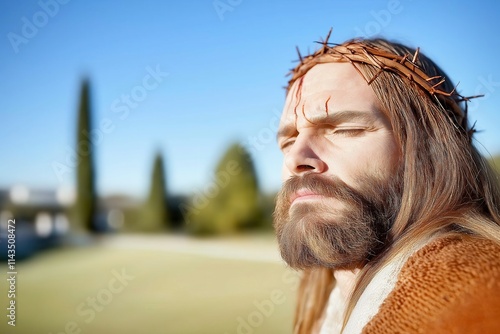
{"type": "Point", "coordinates": [139, 161]}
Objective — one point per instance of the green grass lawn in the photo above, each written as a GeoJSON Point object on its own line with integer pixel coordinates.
{"type": "Point", "coordinates": [76, 291]}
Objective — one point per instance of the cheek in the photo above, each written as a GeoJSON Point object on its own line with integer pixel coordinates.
{"type": "Point", "coordinates": [285, 173]}
{"type": "Point", "coordinates": [381, 157]}
{"type": "Point", "coordinates": [374, 156]}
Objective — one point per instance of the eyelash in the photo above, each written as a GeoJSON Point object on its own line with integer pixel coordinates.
{"type": "Point", "coordinates": [287, 143]}
{"type": "Point", "coordinates": [346, 132]}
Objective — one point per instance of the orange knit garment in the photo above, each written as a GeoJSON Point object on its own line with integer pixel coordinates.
{"type": "Point", "coordinates": [451, 285]}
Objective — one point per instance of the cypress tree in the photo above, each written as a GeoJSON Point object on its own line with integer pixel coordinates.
{"type": "Point", "coordinates": [155, 215]}
{"type": "Point", "coordinates": [85, 202]}
{"type": "Point", "coordinates": [230, 201]}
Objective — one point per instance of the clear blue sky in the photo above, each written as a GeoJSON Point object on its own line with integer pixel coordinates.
{"type": "Point", "coordinates": [225, 71]}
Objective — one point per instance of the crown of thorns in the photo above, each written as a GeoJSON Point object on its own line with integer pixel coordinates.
{"type": "Point", "coordinates": [404, 66]}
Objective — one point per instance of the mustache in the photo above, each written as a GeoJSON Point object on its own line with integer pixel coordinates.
{"type": "Point", "coordinates": [327, 186]}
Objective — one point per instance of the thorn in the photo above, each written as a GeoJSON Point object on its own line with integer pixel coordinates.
{"type": "Point", "coordinates": [375, 76]}
{"type": "Point", "coordinates": [403, 59]}
{"type": "Point", "coordinates": [432, 78]}
{"type": "Point", "coordinates": [325, 43]}
{"type": "Point", "coordinates": [300, 56]}
{"type": "Point", "coordinates": [468, 98]}
{"type": "Point", "coordinates": [472, 130]}
{"type": "Point", "coordinates": [453, 91]}
{"type": "Point", "coordinates": [440, 82]}
{"type": "Point", "coordinates": [415, 56]}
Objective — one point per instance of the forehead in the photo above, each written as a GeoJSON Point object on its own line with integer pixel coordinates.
{"type": "Point", "coordinates": [328, 87]}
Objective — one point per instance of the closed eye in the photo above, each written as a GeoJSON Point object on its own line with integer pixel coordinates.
{"type": "Point", "coordinates": [348, 132]}
{"type": "Point", "coordinates": [285, 145]}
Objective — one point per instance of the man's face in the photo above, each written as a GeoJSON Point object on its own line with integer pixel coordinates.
{"type": "Point", "coordinates": [340, 170]}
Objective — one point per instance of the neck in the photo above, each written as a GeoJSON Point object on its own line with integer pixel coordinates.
{"type": "Point", "coordinates": [345, 280]}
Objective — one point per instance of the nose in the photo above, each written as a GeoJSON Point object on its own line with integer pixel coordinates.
{"type": "Point", "coordinates": [303, 158]}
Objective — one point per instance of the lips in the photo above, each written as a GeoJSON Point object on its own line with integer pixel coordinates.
{"type": "Point", "coordinates": [303, 194]}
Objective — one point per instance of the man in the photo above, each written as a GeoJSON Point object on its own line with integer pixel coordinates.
{"type": "Point", "coordinates": [387, 208]}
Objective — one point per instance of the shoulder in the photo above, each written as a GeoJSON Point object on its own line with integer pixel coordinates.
{"type": "Point", "coordinates": [450, 258]}
{"type": "Point", "coordinates": [450, 285]}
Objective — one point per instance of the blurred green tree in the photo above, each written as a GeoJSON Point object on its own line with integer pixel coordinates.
{"type": "Point", "coordinates": [154, 213]}
{"type": "Point", "coordinates": [268, 206]}
{"type": "Point", "coordinates": [83, 211]}
{"type": "Point", "coordinates": [231, 201]}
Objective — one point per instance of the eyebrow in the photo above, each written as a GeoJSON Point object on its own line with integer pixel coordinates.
{"type": "Point", "coordinates": [330, 119]}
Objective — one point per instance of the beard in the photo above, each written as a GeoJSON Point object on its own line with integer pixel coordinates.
{"type": "Point", "coordinates": [343, 229]}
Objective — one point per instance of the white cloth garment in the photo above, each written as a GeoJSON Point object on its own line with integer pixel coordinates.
{"type": "Point", "coordinates": [369, 302]}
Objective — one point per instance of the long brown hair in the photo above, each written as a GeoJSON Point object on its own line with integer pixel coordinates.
{"type": "Point", "coordinates": [448, 187]}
